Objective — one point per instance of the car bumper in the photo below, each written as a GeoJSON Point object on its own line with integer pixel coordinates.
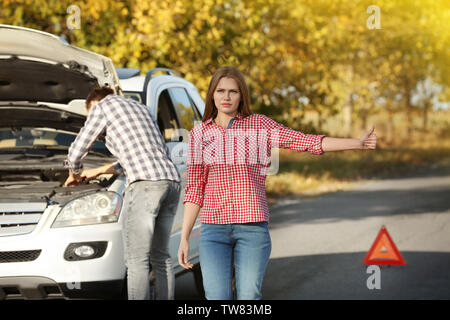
{"type": "Point", "coordinates": [53, 261]}
{"type": "Point", "coordinates": [45, 288]}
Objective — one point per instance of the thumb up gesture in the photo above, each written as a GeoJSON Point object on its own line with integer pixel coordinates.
{"type": "Point", "coordinates": [369, 139]}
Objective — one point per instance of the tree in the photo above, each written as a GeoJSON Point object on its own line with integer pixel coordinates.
{"type": "Point", "coordinates": [298, 56]}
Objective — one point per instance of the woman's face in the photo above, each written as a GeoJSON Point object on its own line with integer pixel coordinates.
{"type": "Point", "coordinates": [227, 96]}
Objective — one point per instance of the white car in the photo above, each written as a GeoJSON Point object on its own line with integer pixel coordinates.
{"type": "Point", "coordinates": [58, 242]}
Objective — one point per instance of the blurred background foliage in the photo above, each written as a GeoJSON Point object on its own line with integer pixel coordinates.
{"type": "Point", "coordinates": [314, 65]}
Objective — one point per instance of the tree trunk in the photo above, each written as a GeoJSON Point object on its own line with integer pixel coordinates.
{"type": "Point", "coordinates": [408, 109]}
{"type": "Point", "coordinates": [350, 106]}
{"type": "Point", "coordinates": [348, 112]}
{"type": "Point", "coordinates": [390, 123]}
{"type": "Point", "coordinates": [426, 108]}
{"type": "Point", "coordinates": [319, 121]}
{"type": "Point", "coordinates": [364, 120]}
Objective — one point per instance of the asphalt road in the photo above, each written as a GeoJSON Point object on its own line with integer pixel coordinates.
{"type": "Point", "coordinates": [319, 243]}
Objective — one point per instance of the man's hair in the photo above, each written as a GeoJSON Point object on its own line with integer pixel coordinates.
{"type": "Point", "coordinates": [98, 94]}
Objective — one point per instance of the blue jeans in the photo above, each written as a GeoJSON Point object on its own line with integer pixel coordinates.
{"type": "Point", "coordinates": [246, 246]}
{"type": "Point", "coordinates": [149, 209]}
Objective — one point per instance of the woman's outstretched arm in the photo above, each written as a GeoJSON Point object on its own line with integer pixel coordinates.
{"type": "Point", "coordinates": [367, 141]}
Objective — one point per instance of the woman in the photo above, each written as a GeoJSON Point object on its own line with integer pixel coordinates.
{"type": "Point", "coordinates": [228, 158]}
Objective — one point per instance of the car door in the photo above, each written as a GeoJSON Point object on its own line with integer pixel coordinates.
{"type": "Point", "coordinates": [176, 115]}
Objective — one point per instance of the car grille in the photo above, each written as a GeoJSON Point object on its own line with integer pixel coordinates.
{"type": "Point", "coordinates": [19, 256]}
{"type": "Point", "coordinates": [20, 218]}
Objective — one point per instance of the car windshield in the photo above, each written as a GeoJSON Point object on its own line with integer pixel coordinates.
{"type": "Point", "coordinates": [42, 138]}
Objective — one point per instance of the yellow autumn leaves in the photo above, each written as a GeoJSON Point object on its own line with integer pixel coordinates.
{"type": "Point", "coordinates": [298, 55]}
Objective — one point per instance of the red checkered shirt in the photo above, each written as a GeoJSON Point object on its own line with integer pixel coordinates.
{"type": "Point", "coordinates": [227, 168]}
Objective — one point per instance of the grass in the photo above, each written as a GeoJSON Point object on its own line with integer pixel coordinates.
{"type": "Point", "coordinates": [305, 174]}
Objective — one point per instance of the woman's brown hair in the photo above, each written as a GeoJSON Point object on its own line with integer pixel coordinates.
{"type": "Point", "coordinates": [227, 72]}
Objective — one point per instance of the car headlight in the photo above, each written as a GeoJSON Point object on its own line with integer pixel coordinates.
{"type": "Point", "coordinates": [100, 207]}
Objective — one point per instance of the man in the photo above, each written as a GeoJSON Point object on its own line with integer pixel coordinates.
{"type": "Point", "coordinates": [152, 187]}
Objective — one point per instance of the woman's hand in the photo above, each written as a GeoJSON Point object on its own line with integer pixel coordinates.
{"type": "Point", "coordinates": [183, 255]}
{"type": "Point", "coordinates": [369, 139]}
{"type": "Point", "coordinates": [191, 211]}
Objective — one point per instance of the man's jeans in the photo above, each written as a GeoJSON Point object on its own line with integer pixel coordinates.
{"type": "Point", "coordinates": [247, 246]}
{"type": "Point", "coordinates": [149, 209]}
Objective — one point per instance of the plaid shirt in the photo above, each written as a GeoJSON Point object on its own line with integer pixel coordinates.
{"type": "Point", "coordinates": [131, 136]}
{"type": "Point", "coordinates": [227, 168]}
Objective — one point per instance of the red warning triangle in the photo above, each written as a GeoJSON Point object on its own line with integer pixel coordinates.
{"type": "Point", "coordinates": [384, 251]}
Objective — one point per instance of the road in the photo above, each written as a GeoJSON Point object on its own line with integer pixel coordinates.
{"type": "Point", "coordinates": [318, 244]}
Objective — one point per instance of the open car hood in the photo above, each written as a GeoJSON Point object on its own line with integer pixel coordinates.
{"type": "Point", "coordinates": [38, 66]}
{"type": "Point", "coordinates": [28, 114]}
